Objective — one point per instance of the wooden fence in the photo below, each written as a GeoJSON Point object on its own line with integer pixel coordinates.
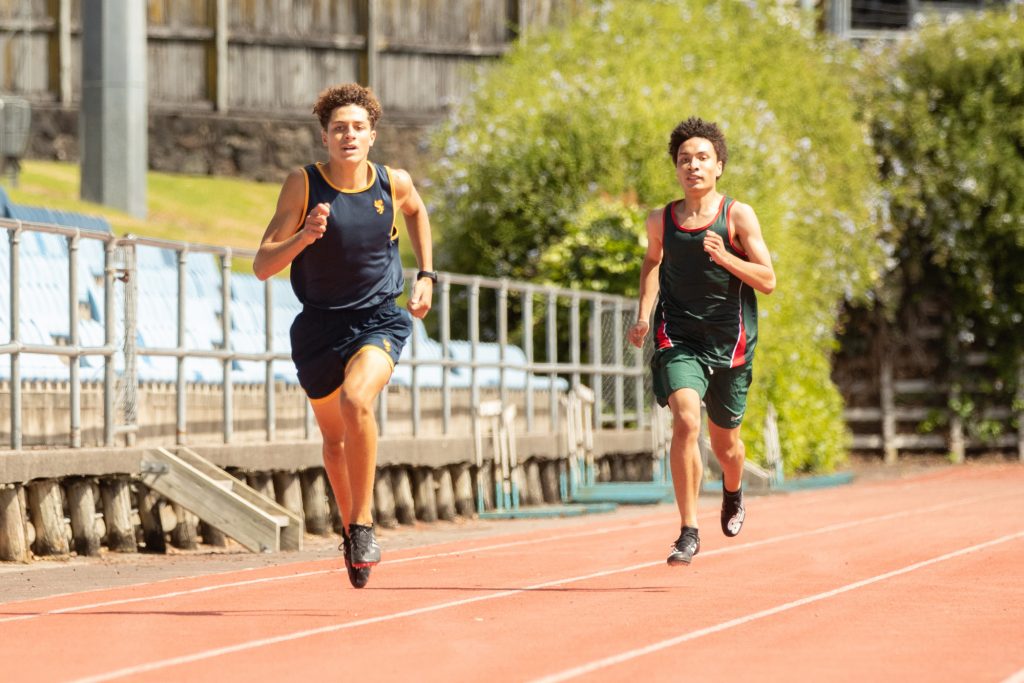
{"type": "Point", "coordinates": [900, 384]}
{"type": "Point", "coordinates": [274, 55]}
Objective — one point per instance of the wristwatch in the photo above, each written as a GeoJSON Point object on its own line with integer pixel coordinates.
{"type": "Point", "coordinates": [432, 274]}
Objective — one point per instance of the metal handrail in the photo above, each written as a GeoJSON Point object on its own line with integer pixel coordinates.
{"type": "Point", "coordinates": [618, 371]}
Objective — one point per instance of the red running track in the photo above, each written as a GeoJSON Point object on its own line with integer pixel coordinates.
{"type": "Point", "coordinates": [915, 579]}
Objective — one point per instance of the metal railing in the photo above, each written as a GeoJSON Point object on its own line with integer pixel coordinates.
{"type": "Point", "coordinates": [546, 323]}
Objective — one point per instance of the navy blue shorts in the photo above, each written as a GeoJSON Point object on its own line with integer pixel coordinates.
{"type": "Point", "coordinates": [325, 341]}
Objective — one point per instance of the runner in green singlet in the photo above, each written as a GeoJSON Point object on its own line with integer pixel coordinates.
{"type": "Point", "coordinates": [705, 257]}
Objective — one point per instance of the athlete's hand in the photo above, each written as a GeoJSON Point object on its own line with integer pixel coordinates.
{"type": "Point", "coordinates": [315, 225]}
{"type": "Point", "coordinates": [638, 333]}
{"type": "Point", "coordinates": [422, 294]}
{"type": "Point", "coordinates": [715, 247]}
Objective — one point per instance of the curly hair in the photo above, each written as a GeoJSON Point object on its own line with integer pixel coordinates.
{"type": "Point", "coordinates": [345, 94]}
{"type": "Point", "coordinates": [695, 127]}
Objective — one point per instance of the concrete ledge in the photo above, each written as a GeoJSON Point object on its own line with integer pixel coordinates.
{"type": "Point", "coordinates": [423, 451]}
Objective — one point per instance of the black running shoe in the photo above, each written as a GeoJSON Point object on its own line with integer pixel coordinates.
{"type": "Point", "coordinates": [357, 577]}
{"type": "Point", "coordinates": [685, 547]}
{"type": "Point", "coordinates": [364, 551]}
{"type": "Point", "coordinates": [733, 512]}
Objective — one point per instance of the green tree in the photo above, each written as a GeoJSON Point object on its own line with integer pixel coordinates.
{"type": "Point", "coordinates": [946, 108]}
{"type": "Point", "coordinates": [549, 165]}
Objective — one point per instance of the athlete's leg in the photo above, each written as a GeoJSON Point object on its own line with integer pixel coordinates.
{"type": "Point", "coordinates": [684, 453]}
{"type": "Point", "coordinates": [730, 451]}
{"type": "Point", "coordinates": [332, 428]}
{"type": "Point", "coordinates": [365, 376]}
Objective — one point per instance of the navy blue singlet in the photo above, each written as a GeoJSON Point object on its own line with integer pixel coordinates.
{"type": "Point", "coordinates": [356, 264]}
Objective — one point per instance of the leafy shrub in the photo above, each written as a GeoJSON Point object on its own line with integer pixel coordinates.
{"type": "Point", "coordinates": [547, 169]}
{"type": "Point", "coordinates": [947, 118]}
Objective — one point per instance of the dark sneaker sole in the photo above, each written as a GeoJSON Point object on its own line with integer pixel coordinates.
{"type": "Point", "coordinates": [365, 565]}
{"type": "Point", "coordinates": [358, 577]}
{"type": "Point", "coordinates": [678, 559]}
{"type": "Point", "coordinates": [739, 525]}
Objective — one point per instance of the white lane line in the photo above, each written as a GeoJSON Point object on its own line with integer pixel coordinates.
{"type": "Point", "coordinates": [808, 496]}
{"type": "Point", "coordinates": [1016, 678]}
{"type": "Point", "coordinates": [250, 582]}
{"type": "Point", "coordinates": [740, 621]}
{"type": "Point", "coordinates": [264, 642]}
{"type": "Point", "coordinates": [495, 546]}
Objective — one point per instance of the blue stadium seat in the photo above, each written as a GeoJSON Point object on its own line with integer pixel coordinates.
{"type": "Point", "coordinates": [427, 375]}
{"type": "Point", "coordinates": [157, 317]}
{"type": "Point", "coordinates": [248, 325]}
{"type": "Point", "coordinates": [490, 352]}
{"type": "Point", "coordinates": [39, 214]}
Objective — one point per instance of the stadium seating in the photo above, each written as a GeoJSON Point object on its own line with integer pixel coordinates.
{"type": "Point", "coordinates": [45, 316]}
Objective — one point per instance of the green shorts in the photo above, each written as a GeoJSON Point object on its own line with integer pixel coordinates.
{"type": "Point", "coordinates": [723, 390]}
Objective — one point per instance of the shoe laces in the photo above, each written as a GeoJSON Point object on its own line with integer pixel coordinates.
{"type": "Point", "coordinates": [361, 537]}
{"type": "Point", "coordinates": [678, 545]}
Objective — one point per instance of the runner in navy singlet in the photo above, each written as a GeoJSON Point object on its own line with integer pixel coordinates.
{"type": "Point", "coordinates": [705, 257]}
{"type": "Point", "coordinates": [335, 225]}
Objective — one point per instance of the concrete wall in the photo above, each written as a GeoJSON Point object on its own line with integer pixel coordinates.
{"type": "Point", "coordinates": [261, 148]}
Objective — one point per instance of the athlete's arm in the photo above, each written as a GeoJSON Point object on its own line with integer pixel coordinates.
{"type": "Point", "coordinates": [757, 270]}
{"type": "Point", "coordinates": [283, 239]}
{"type": "Point", "coordinates": [649, 272]}
{"type": "Point", "coordinates": [417, 224]}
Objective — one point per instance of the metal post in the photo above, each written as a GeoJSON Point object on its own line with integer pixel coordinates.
{"type": "Point", "coordinates": [181, 410]}
{"type": "Point", "coordinates": [502, 340]}
{"type": "Point", "coordinates": [16, 338]}
{"type": "Point", "coordinates": [109, 339]}
{"type": "Point", "coordinates": [229, 417]}
{"type": "Point", "coordinates": [574, 338]}
{"type": "Point", "coordinates": [130, 276]}
{"type": "Point", "coordinates": [888, 400]}
{"type": "Point", "coordinates": [474, 342]}
{"type": "Point", "coordinates": [270, 387]}
{"type": "Point", "coordinates": [595, 346]}
{"type": "Point", "coordinates": [838, 17]}
{"type": "Point", "coordinates": [114, 108]}
{"type": "Point", "coordinates": [446, 336]}
{"type": "Point", "coordinates": [620, 379]}
{"type": "Point", "coordinates": [74, 362]}
{"type": "Point", "coordinates": [552, 358]}
{"type": "Point", "coordinates": [956, 422]}
{"type": "Point", "coordinates": [638, 379]}
{"type": "Point", "coordinates": [309, 421]}
{"type": "Point", "coordinates": [414, 390]}
{"type": "Point", "coordinates": [528, 349]}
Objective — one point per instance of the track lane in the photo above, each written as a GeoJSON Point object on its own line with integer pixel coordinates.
{"type": "Point", "coordinates": [475, 577]}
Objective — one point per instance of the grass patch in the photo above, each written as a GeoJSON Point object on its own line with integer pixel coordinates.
{"type": "Point", "coordinates": [228, 212]}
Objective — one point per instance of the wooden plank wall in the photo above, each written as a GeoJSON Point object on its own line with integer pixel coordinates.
{"type": "Point", "coordinates": [274, 56]}
{"type": "Point", "coordinates": [897, 386]}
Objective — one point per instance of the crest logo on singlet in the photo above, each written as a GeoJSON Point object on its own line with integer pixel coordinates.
{"type": "Point", "coordinates": [379, 205]}
{"type": "Point", "coordinates": [386, 344]}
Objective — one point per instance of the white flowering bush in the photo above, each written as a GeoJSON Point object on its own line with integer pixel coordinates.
{"type": "Point", "coordinates": [946, 108]}
{"type": "Point", "coordinates": [546, 171]}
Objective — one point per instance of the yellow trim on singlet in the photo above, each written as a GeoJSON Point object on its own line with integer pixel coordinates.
{"type": "Point", "coordinates": [394, 205]}
{"type": "Point", "coordinates": [373, 178]}
{"type": "Point", "coordinates": [305, 204]}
